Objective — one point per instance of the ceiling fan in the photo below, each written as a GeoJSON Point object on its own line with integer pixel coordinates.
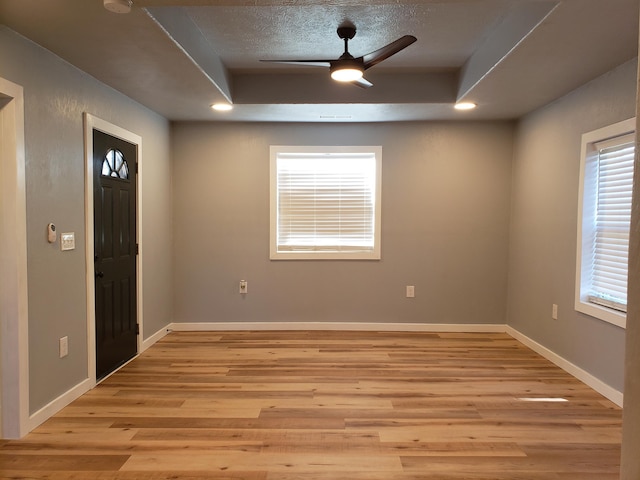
{"type": "Point", "coordinates": [347, 68]}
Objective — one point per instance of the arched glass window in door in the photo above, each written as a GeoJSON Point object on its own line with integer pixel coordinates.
{"type": "Point", "coordinates": [115, 165]}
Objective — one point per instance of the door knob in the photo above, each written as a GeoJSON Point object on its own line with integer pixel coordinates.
{"type": "Point", "coordinates": [100, 274]}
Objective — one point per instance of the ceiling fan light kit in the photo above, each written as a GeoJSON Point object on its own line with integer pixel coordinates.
{"type": "Point", "coordinates": [346, 72]}
{"type": "Point", "coordinates": [118, 6]}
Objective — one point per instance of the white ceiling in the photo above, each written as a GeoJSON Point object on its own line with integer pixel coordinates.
{"type": "Point", "coordinates": [178, 57]}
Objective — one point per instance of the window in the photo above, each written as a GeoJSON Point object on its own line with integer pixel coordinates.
{"type": "Point", "coordinates": [325, 203]}
{"type": "Point", "coordinates": [115, 165]}
{"type": "Point", "coordinates": [606, 174]}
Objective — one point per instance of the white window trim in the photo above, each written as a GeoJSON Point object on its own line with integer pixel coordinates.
{"type": "Point", "coordinates": [585, 204]}
{"type": "Point", "coordinates": [274, 253]}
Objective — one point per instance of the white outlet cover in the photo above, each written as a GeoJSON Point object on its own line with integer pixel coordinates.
{"type": "Point", "coordinates": [68, 241]}
{"type": "Point", "coordinates": [64, 347]}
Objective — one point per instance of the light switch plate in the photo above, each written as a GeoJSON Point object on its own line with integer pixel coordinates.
{"type": "Point", "coordinates": [68, 241]}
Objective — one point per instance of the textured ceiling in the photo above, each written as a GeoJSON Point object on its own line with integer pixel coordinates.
{"type": "Point", "coordinates": [310, 31]}
{"type": "Point", "coordinates": [178, 57]}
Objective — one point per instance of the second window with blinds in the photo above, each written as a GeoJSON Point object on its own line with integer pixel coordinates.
{"type": "Point", "coordinates": [604, 222]}
{"type": "Point", "coordinates": [325, 203]}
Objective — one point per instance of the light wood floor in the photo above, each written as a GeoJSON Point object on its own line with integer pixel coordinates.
{"type": "Point", "coordinates": [328, 406]}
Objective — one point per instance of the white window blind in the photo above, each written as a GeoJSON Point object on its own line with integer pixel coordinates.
{"type": "Point", "coordinates": [612, 222]}
{"type": "Point", "coordinates": [326, 204]}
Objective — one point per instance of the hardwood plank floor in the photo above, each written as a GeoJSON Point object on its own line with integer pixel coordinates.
{"type": "Point", "coordinates": [328, 406]}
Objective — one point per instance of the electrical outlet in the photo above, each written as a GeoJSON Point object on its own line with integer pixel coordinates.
{"type": "Point", "coordinates": [554, 311]}
{"type": "Point", "coordinates": [411, 291]}
{"type": "Point", "coordinates": [64, 347]}
{"type": "Point", "coordinates": [244, 286]}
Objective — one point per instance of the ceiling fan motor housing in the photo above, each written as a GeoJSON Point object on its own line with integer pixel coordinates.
{"type": "Point", "coordinates": [347, 32]}
{"type": "Point", "coordinates": [346, 62]}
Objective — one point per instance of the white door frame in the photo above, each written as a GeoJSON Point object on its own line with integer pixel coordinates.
{"type": "Point", "coordinates": [92, 122]}
{"type": "Point", "coordinates": [14, 320]}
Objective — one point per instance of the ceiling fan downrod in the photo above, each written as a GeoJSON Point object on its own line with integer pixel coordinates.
{"type": "Point", "coordinates": [346, 33]}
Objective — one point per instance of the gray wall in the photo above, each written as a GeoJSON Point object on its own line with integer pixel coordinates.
{"type": "Point", "coordinates": [445, 211]}
{"type": "Point", "coordinates": [56, 95]}
{"type": "Point", "coordinates": [542, 256]}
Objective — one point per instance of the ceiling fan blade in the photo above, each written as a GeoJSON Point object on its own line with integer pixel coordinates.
{"type": "Point", "coordinates": [309, 63]}
{"type": "Point", "coordinates": [373, 58]}
{"type": "Point", "coordinates": [362, 83]}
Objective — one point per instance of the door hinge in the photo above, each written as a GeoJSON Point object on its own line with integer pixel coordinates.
{"type": "Point", "coordinates": [136, 167]}
{"type": "Point", "coordinates": [137, 329]}
{"type": "Point", "coordinates": [137, 249]}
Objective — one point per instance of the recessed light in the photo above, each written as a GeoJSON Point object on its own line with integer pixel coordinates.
{"type": "Point", "coordinates": [465, 106]}
{"type": "Point", "coordinates": [222, 107]}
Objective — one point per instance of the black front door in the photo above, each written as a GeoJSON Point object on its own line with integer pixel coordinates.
{"type": "Point", "coordinates": [114, 215]}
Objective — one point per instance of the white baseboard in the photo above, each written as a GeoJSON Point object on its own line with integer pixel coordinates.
{"type": "Point", "coordinates": [598, 385]}
{"type": "Point", "coordinates": [154, 338]}
{"type": "Point", "coordinates": [59, 403]}
{"type": "Point", "coordinates": [340, 326]}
